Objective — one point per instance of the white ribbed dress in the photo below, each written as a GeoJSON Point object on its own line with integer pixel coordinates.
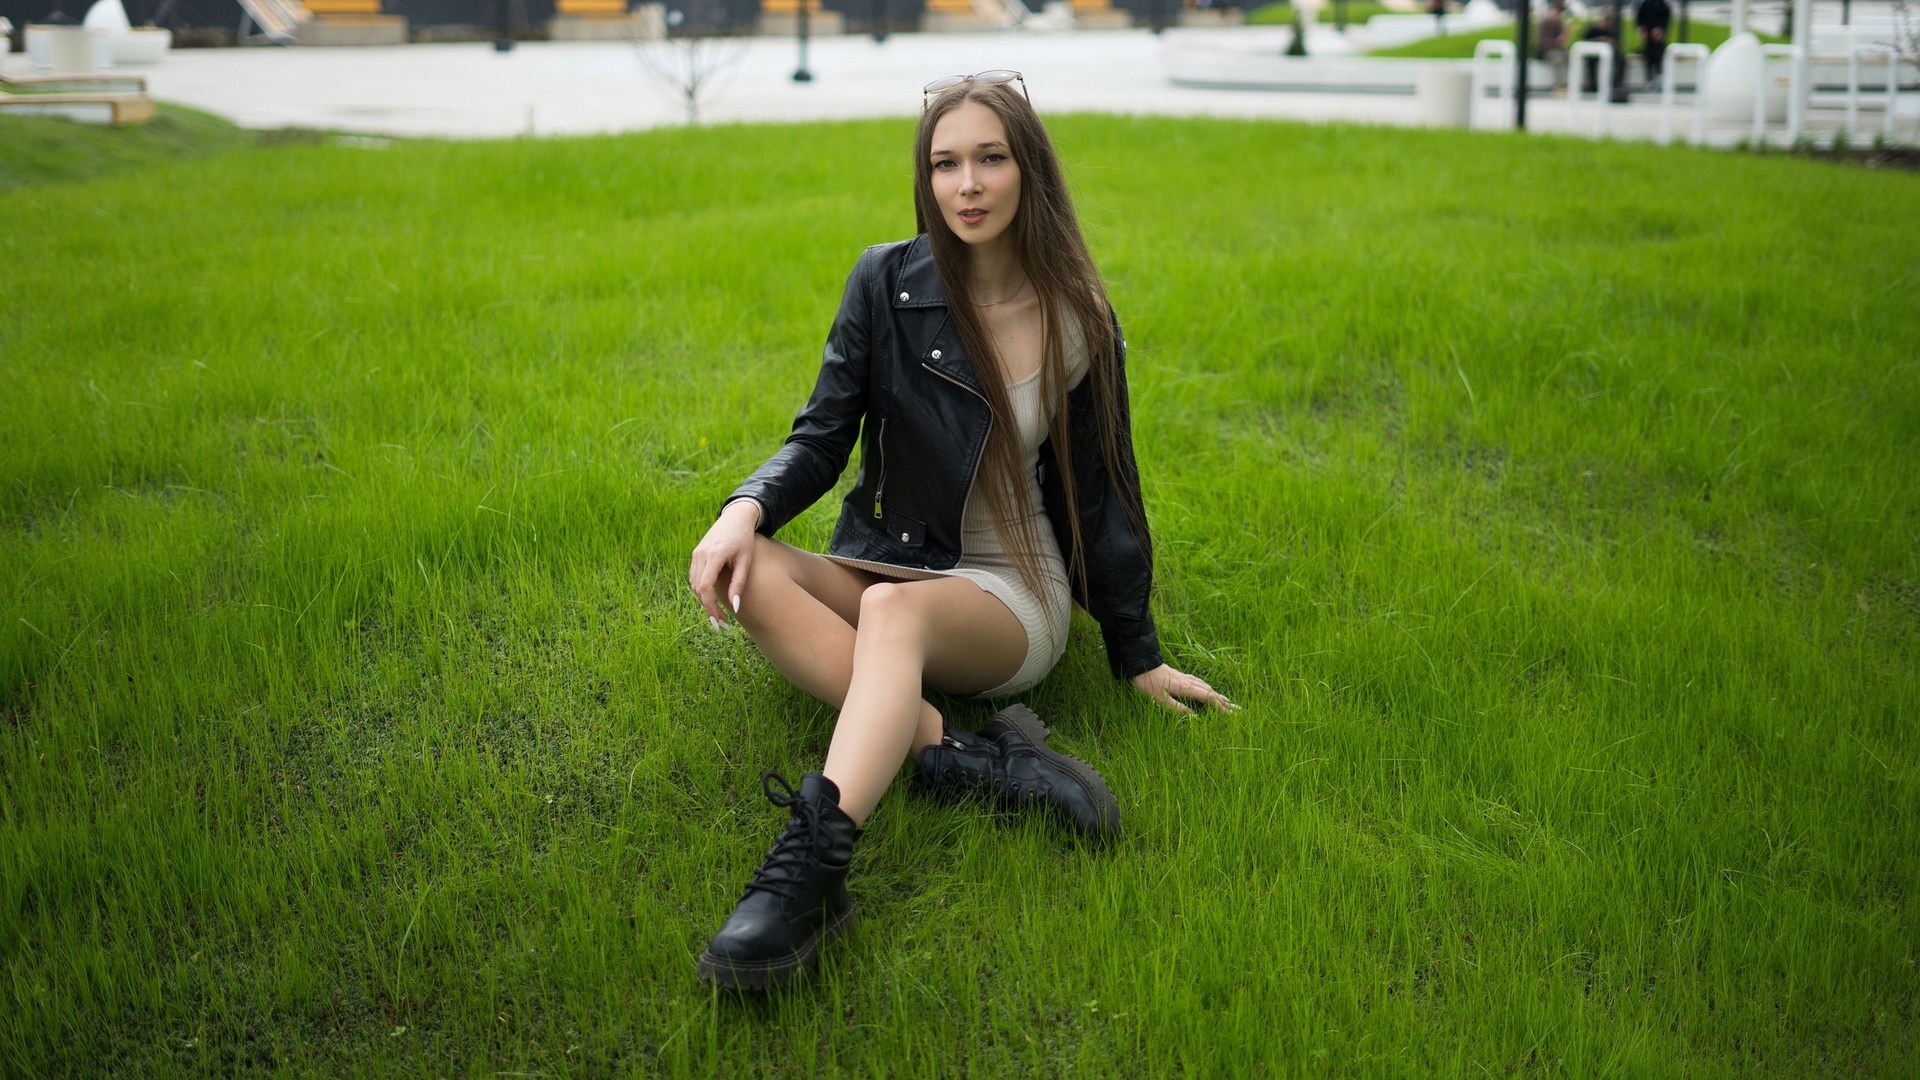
{"type": "Point", "coordinates": [987, 564]}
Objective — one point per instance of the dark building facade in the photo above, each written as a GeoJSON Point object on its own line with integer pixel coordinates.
{"type": "Point", "coordinates": [527, 13]}
{"type": "Point", "coordinates": [225, 14]}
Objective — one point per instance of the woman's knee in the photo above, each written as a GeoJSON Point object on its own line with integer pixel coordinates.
{"type": "Point", "coordinates": [889, 608]}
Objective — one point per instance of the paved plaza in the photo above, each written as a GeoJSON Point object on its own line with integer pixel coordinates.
{"type": "Point", "coordinates": [467, 90]}
{"type": "Point", "coordinates": [550, 87]}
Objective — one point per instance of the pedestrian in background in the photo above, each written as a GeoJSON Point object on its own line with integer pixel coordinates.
{"type": "Point", "coordinates": [1601, 29]}
{"type": "Point", "coordinates": [1653, 18]}
{"type": "Point", "coordinates": [1551, 44]}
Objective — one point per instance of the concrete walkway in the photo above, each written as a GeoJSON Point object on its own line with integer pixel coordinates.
{"type": "Point", "coordinates": [545, 88]}
{"type": "Point", "coordinates": [467, 90]}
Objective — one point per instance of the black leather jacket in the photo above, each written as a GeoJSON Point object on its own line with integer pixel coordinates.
{"type": "Point", "coordinates": [896, 377]}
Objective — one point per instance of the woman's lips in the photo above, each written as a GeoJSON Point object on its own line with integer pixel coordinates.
{"type": "Point", "coordinates": [972, 217]}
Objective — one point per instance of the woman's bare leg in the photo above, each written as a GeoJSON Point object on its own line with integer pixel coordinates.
{"type": "Point", "coordinates": [802, 610]}
{"type": "Point", "coordinates": [807, 613]}
{"type": "Point", "coordinates": [947, 633]}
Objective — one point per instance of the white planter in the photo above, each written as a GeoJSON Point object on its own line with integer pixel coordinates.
{"type": "Point", "coordinates": [1446, 95]}
{"type": "Point", "coordinates": [63, 50]}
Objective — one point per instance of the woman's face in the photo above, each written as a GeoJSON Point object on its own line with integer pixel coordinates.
{"type": "Point", "coordinates": [975, 179]}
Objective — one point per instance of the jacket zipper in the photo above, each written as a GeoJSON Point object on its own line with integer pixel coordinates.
{"type": "Point", "coordinates": [959, 384]}
{"type": "Point", "coordinates": [983, 400]}
{"type": "Point", "coordinates": [880, 489]}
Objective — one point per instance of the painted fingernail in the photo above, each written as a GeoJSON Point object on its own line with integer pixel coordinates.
{"type": "Point", "coordinates": [714, 621]}
{"type": "Point", "coordinates": [736, 603]}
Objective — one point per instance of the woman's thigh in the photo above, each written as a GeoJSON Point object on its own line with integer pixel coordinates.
{"type": "Point", "coordinates": [969, 641]}
{"type": "Point", "coordinates": [833, 584]}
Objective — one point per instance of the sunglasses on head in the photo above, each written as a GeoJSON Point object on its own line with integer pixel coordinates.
{"type": "Point", "coordinates": [985, 78]}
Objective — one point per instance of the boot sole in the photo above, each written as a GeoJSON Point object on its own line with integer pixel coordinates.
{"type": "Point", "coordinates": [1028, 724]}
{"type": "Point", "coordinates": [775, 973]}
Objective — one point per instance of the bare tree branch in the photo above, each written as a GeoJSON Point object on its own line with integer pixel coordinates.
{"type": "Point", "coordinates": [1906, 30]}
{"type": "Point", "coordinates": [700, 51]}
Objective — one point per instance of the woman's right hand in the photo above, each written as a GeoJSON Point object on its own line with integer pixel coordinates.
{"type": "Point", "coordinates": [724, 553]}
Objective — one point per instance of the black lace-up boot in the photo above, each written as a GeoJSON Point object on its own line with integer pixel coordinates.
{"type": "Point", "coordinates": [797, 900]}
{"type": "Point", "coordinates": [1010, 762]}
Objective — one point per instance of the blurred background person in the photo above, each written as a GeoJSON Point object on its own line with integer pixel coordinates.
{"type": "Point", "coordinates": [1550, 44]}
{"type": "Point", "coordinates": [1601, 29]}
{"type": "Point", "coordinates": [1652, 18]}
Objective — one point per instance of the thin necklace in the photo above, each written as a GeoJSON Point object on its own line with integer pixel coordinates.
{"type": "Point", "coordinates": [1004, 299]}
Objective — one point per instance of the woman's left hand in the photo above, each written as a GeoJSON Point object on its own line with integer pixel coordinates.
{"type": "Point", "coordinates": [1167, 686]}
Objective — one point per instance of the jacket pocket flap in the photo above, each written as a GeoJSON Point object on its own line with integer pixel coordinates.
{"type": "Point", "coordinates": [906, 530]}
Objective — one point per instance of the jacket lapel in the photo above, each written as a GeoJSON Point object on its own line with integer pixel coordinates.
{"type": "Point", "coordinates": [916, 288]}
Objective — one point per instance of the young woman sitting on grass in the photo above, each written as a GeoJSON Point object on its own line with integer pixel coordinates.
{"type": "Point", "coordinates": [982, 372]}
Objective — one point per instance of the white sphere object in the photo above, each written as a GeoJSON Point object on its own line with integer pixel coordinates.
{"type": "Point", "coordinates": [107, 15]}
{"type": "Point", "coordinates": [1733, 73]}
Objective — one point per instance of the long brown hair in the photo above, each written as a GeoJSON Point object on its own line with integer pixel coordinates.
{"type": "Point", "coordinates": [1054, 257]}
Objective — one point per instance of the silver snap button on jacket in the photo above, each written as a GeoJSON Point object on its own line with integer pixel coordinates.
{"type": "Point", "coordinates": [903, 538]}
{"type": "Point", "coordinates": [903, 296]}
{"type": "Point", "coordinates": [936, 354]}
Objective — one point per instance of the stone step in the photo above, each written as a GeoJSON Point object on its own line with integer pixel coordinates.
{"type": "Point", "coordinates": [115, 109]}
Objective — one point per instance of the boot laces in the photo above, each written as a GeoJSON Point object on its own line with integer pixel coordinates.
{"type": "Point", "coordinates": [786, 863]}
{"type": "Point", "coordinates": [994, 775]}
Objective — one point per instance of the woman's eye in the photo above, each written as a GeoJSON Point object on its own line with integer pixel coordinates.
{"type": "Point", "coordinates": [946, 164]}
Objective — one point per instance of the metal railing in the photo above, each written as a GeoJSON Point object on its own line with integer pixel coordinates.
{"type": "Point", "coordinates": [1853, 86]}
{"type": "Point", "coordinates": [1761, 85]}
{"type": "Point", "coordinates": [1675, 54]}
{"type": "Point", "coordinates": [1501, 52]}
{"type": "Point", "coordinates": [1602, 52]}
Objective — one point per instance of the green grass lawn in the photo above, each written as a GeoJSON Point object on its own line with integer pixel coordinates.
{"type": "Point", "coordinates": [1558, 537]}
{"type": "Point", "coordinates": [1460, 46]}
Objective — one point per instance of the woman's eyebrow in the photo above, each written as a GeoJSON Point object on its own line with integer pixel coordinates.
{"type": "Point", "coordinates": [942, 152]}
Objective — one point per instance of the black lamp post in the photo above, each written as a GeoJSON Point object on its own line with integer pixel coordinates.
{"type": "Point", "coordinates": [879, 21]}
{"type": "Point", "coordinates": [1523, 24]}
{"type": "Point", "coordinates": [503, 34]}
{"type": "Point", "coordinates": [1619, 56]}
{"type": "Point", "coordinates": [801, 74]}
{"type": "Point", "coordinates": [1685, 26]}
